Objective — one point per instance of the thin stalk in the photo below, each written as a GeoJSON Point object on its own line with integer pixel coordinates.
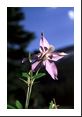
{"type": "Point", "coordinates": [27, 98]}
{"type": "Point", "coordinates": [28, 94]}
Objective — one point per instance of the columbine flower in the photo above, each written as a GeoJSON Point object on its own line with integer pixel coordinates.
{"type": "Point", "coordinates": [46, 57]}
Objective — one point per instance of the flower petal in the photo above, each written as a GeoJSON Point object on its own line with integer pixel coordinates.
{"type": "Point", "coordinates": [51, 68]}
{"type": "Point", "coordinates": [56, 56]}
{"type": "Point", "coordinates": [35, 65]}
{"type": "Point", "coordinates": [44, 45]}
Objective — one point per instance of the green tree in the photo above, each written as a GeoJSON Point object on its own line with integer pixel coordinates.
{"type": "Point", "coordinates": [17, 41]}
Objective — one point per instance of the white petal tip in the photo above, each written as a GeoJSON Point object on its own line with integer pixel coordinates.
{"type": "Point", "coordinates": [55, 78]}
{"type": "Point", "coordinates": [63, 54]}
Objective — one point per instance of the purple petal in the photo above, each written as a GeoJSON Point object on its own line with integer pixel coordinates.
{"type": "Point", "coordinates": [35, 65]}
{"type": "Point", "coordinates": [56, 56]}
{"type": "Point", "coordinates": [51, 69]}
{"type": "Point", "coordinates": [44, 45]}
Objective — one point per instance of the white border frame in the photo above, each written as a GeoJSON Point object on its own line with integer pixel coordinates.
{"type": "Point", "coordinates": [77, 57]}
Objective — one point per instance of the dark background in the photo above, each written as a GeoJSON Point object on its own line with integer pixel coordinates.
{"type": "Point", "coordinates": [44, 89]}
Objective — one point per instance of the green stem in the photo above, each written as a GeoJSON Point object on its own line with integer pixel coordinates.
{"type": "Point", "coordinates": [27, 98]}
{"type": "Point", "coordinates": [28, 94]}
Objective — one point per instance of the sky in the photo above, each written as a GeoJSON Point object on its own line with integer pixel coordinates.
{"type": "Point", "coordinates": [57, 23]}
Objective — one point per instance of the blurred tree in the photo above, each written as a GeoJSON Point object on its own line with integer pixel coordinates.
{"type": "Point", "coordinates": [17, 41]}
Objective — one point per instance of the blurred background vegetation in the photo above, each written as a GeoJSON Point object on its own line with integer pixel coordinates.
{"type": "Point", "coordinates": [45, 89]}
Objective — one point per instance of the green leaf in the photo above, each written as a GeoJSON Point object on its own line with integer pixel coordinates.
{"type": "Point", "coordinates": [23, 80]}
{"type": "Point", "coordinates": [10, 107]}
{"type": "Point", "coordinates": [18, 75]}
{"type": "Point", "coordinates": [18, 105]}
{"type": "Point", "coordinates": [24, 74]}
{"type": "Point", "coordinates": [39, 75]}
{"type": "Point", "coordinates": [53, 105]}
{"type": "Point", "coordinates": [50, 106]}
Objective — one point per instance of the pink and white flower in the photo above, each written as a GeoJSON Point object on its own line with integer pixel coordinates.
{"type": "Point", "coordinates": [46, 57]}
